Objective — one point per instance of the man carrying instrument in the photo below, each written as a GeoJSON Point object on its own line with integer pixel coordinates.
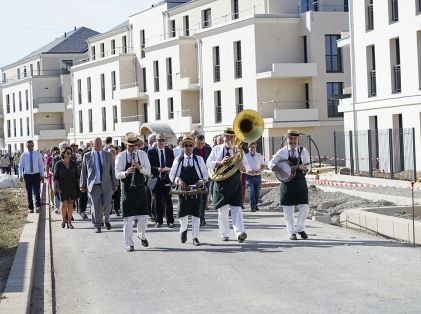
{"type": "Point", "coordinates": [189, 172]}
{"type": "Point", "coordinates": [294, 192]}
{"type": "Point", "coordinates": [227, 191]}
{"type": "Point", "coordinates": [132, 165]}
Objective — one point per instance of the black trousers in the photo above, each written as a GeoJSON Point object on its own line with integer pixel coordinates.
{"type": "Point", "coordinates": [117, 200]}
{"type": "Point", "coordinates": [83, 202]}
{"type": "Point", "coordinates": [32, 186]}
{"type": "Point", "coordinates": [162, 200]}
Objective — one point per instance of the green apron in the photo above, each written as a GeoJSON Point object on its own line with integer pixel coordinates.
{"type": "Point", "coordinates": [295, 191]}
{"type": "Point", "coordinates": [228, 191]}
{"type": "Point", "coordinates": [189, 205]}
{"type": "Point", "coordinates": [133, 199]}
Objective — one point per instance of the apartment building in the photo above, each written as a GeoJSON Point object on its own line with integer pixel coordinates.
{"type": "Point", "coordinates": [36, 90]}
{"type": "Point", "coordinates": [385, 43]}
{"type": "Point", "coordinates": [2, 146]}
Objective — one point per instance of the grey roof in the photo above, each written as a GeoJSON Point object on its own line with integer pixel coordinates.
{"type": "Point", "coordinates": [125, 23]}
{"type": "Point", "coordinates": [73, 42]}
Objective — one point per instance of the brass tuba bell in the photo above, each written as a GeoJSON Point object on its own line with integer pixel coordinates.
{"type": "Point", "coordinates": [248, 127]}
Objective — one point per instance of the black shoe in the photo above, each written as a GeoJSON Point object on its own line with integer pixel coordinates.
{"type": "Point", "coordinates": [242, 237]}
{"type": "Point", "coordinates": [303, 235]}
{"type": "Point", "coordinates": [203, 222]}
{"type": "Point", "coordinates": [72, 218]}
{"type": "Point", "coordinates": [225, 239]}
{"type": "Point", "coordinates": [97, 230]}
{"type": "Point", "coordinates": [242, 207]}
{"type": "Point", "coordinates": [170, 225]}
{"type": "Point", "coordinates": [184, 236]}
{"type": "Point", "coordinates": [102, 224]}
{"type": "Point", "coordinates": [37, 210]}
{"type": "Point", "coordinates": [117, 214]}
{"type": "Point", "coordinates": [130, 248]}
{"type": "Point", "coordinates": [257, 208]}
{"type": "Point", "coordinates": [83, 215]}
{"type": "Point", "coordinates": [70, 226]}
{"type": "Point", "coordinates": [145, 242]}
{"type": "Point", "coordinates": [63, 224]}
{"type": "Point", "coordinates": [108, 225]}
{"type": "Point", "coordinates": [293, 237]}
{"type": "Point", "coordinates": [196, 242]}
{"type": "Point", "coordinates": [158, 225]}
{"type": "Point", "coordinates": [31, 211]}
{"type": "Point", "coordinates": [253, 210]}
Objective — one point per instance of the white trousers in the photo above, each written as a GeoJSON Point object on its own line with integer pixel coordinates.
{"type": "Point", "coordinates": [195, 225]}
{"type": "Point", "coordinates": [301, 218]}
{"type": "Point", "coordinates": [237, 220]}
{"type": "Point", "coordinates": [142, 224]}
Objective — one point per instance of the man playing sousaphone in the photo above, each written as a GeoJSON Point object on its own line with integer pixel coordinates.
{"type": "Point", "coordinates": [189, 171]}
{"type": "Point", "coordinates": [294, 192]}
{"type": "Point", "coordinates": [227, 193]}
{"type": "Point", "coordinates": [131, 167]}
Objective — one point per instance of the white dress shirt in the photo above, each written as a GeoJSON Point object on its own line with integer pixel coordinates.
{"type": "Point", "coordinates": [285, 152]}
{"type": "Point", "coordinates": [175, 173]}
{"type": "Point", "coordinates": [218, 153]}
{"type": "Point", "coordinates": [125, 156]}
{"type": "Point", "coordinates": [177, 151]}
{"type": "Point", "coordinates": [255, 162]}
{"type": "Point", "coordinates": [25, 165]}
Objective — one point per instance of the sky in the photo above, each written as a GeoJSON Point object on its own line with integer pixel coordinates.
{"type": "Point", "coordinates": [26, 25]}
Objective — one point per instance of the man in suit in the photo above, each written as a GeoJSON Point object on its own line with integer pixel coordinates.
{"type": "Point", "coordinates": [203, 150]}
{"type": "Point", "coordinates": [161, 159]}
{"type": "Point", "coordinates": [98, 179]}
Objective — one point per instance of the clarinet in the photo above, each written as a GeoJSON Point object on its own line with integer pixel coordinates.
{"type": "Point", "coordinates": [132, 182]}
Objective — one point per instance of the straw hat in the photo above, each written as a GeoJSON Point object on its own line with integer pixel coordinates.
{"type": "Point", "coordinates": [187, 139]}
{"type": "Point", "coordinates": [229, 131]}
{"type": "Point", "coordinates": [293, 132]}
{"type": "Point", "coordinates": [132, 138]}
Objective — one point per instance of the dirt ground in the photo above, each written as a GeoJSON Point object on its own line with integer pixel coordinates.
{"type": "Point", "coordinates": [13, 213]}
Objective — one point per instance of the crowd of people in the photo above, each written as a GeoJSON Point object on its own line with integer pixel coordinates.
{"type": "Point", "coordinates": [136, 181]}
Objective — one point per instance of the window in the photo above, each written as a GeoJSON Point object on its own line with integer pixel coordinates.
{"type": "Point", "coordinates": [66, 66]}
{"type": "Point", "coordinates": [20, 101]}
{"type": "Point", "coordinates": [309, 5]}
{"type": "Point", "coordinates": [395, 61]}
{"type": "Point", "coordinates": [333, 54]}
{"type": "Point", "coordinates": [334, 88]}
{"type": "Point", "coordinates": [172, 29]}
{"type": "Point", "coordinates": [206, 18]}
{"type": "Point", "coordinates": [305, 49]}
{"type": "Point", "coordinates": [370, 15]}
{"type": "Point", "coordinates": [186, 25]}
{"type": "Point", "coordinates": [235, 10]}
{"type": "Point", "coordinates": [93, 53]}
{"type": "Point", "coordinates": [113, 46]}
{"type": "Point", "coordinates": [239, 99]}
{"type": "Point", "coordinates": [27, 99]}
{"type": "Point", "coordinates": [419, 57]}
{"type": "Point", "coordinates": [124, 43]}
{"type": "Point", "coordinates": [18, 73]}
{"type": "Point", "coordinates": [145, 111]}
{"type": "Point", "coordinates": [169, 73]}
{"type": "Point", "coordinates": [307, 95]}
{"type": "Point", "coordinates": [79, 92]}
{"type": "Point", "coordinates": [27, 127]}
{"type": "Point", "coordinates": [418, 6]}
{"type": "Point", "coordinates": [144, 79]}
{"type": "Point", "coordinates": [104, 119]}
{"type": "Point", "coordinates": [156, 75]}
{"type": "Point", "coordinates": [157, 109]}
{"type": "Point", "coordinates": [14, 127]}
{"type": "Point", "coordinates": [217, 65]}
{"type": "Point", "coordinates": [21, 127]}
{"type": "Point", "coordinates": [371, 68]}
{"type": "Point", "coordinates": [238, 69]}
{"type": "Point", "coordinates": [80, 121]}
{"type": "Point", "coordinates": [393, 11]}
{"type": "Point", "coordinates": [7, 103]}
{"type": "Point", "coordinates": [89, 89]}
{"type": "Point", "coordinates": [102, 50]}
{"type": "Point", "coordinates": [113, 82]}
{"type": "Point", "coordinates": [218, 106]}
{"type": "Point", "coordinates": [25, 73]}
{"type": "Point", "coordinates": [170, 108]}
{"type": "Point", "coordinates": [9, 134]}
{"type": "Point", "coordinates": [102, 86]}
{"type": "Point", "coordinates": [14, 102]}
{"type": "Point", "coordinates": [4, 77]}
{"type": "Point", "coordinates": [142, 43]}
{"type": "Point", "coordinates": [115, 117]}
{"type": "Point", "coordinates": [31, 70]}
{"type": "Point", "coordinates": [91, 128]}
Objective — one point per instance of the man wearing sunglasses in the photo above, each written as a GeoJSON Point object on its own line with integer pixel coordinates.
{"type": "Point", "coordinates": [188, 171]}
{"type": "Point", "coordinates": [161, 159]}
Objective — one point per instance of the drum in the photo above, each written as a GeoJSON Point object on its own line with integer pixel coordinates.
{"type": "Point", "coordinates": [286, 171]}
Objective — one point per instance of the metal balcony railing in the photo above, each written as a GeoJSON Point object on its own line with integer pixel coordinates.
{"type": "Point", "coordinates": [370, 17]}
{"type": "Point", "coordinates": [47, 100]}
{"type": "Point", "coordinates": [35, 73]}
{"type": "Point", "coordinates": [169, 81]}
{"type": "Point", "coordinates": [396, 73]}
{"type": "Point", "coordinates": [373, 86]}
{"type": "Point", "coordinates": [238, 69]}
{"type": "Point", "coordinates": [156, 81]}
{"type": "Point", "coordinates": [48, 127]}
{"type": "Point", "coordinates": [333, 63]}
{"type": "Point", "coordinates": [108, 53]}
{"type": "Point", "coordinates": [315, 6]}
{"type": "Point", "coordinates": [217, 73]}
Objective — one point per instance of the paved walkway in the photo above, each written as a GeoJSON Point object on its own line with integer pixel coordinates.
{"type": "Point", "coordinates": [336, 270]}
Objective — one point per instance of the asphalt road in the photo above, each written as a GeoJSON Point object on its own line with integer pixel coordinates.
{"type": "Point", "coordinates": [335, 271]}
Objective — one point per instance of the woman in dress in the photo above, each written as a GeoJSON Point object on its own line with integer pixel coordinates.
{"type": "Point", "coordinates": [66, 183]}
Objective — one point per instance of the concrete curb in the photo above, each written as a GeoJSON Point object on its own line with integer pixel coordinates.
{"type": "Point", "coordinates": [17, 293]}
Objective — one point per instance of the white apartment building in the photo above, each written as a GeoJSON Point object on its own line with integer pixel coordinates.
{"type": "Point", "coordinates": [385, 43]}
{"type": "Point", "coordinates": [36, 90]}
{"type": "Point", "coordinates": [194, 65]}
{"type": "Point", "coordinates": [2, 146]}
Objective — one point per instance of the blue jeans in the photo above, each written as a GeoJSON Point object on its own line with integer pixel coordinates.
{"type": "Point", "coordinates": [253, 188]}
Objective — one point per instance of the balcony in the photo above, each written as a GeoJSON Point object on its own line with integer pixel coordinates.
{"type": "Point", "coordinates": [396, 77]}
{"type": "Point", "coordinates": [48, 104]}
{"type": "Point", "coordinates": [344, 41]}
{"type": "Point", "coordinates": [34, 73]}
{"type": "Point", "coordinates": [297, 117]}
{"type": "Point", "coordinates": [49, 132]}
{"type": "Point", "coordinates": [130, 91]}
{"type": "Point", "coordinates": [128, 124]}
{"type": "Point", "coordinates": [315, 6]}
{"type": "Point", "coordinates": [289, 70]}
{"type": "Point", "coordinates": [183, 82]}
{"type": "Point", "coordinates": [373, 86]}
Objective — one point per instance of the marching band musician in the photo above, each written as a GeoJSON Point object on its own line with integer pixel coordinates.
{"type": "Point", "coordinates": [227, 193]}
{"type": "Point", "coordinates": [295, 192]}
{"type": "Point", "coordinates": [188, 169]}
{"type": "Point", "coordinates": [132, 165]}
